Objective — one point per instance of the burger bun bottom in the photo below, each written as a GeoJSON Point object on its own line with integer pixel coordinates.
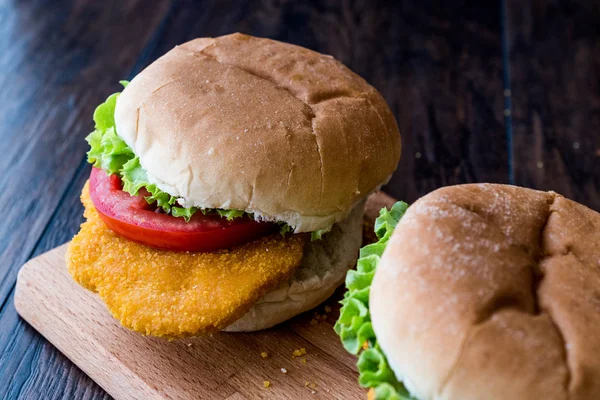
{"type": "Point", "coordinates": [322, 270]}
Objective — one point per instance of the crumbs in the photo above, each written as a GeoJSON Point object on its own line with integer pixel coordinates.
{"type": "Point", "coordinates": [298, 354]}
{"type": "Point", "coordinates": [312, 386]}
{"type": "Point", "coordinates": [301, 352]}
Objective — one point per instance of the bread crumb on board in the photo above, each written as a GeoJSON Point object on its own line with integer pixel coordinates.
{"type": "Point", "coordinates": [264, 354]}
{"type": "Point", "coordinates": [299, 352]}
{"type": "Point", "coordinates": [267, 384]}
{"type": "Point", "coordinates": [312, 386]}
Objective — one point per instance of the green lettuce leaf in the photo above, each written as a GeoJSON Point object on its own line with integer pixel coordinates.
{"type": "Point", "coordinates": [318, 235]}
{"type": "Point", "coordinates": [107, 150]}
{"type": "Point", "coordinates": [284, 229]}
{"type": "Point", "coordinates": [185, 213]}
{"type": "Point", "coordinates": [133, 176]}
{"type": "Point", "coordinates": [230, 214]}
{"type": "Point", "coordinates": [387, 220]}
{"type": "Point", "coordinates": [354, 324]}
{"type": "Point", "coordinates": [104, 115]}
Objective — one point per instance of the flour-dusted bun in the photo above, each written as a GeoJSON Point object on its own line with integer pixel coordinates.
{"type": "Point", "coordinates": [323, 269]}
{"type": "Point", "coordinates": [492, 292]}
{"type": "Point", "coordinates": [239, 122]}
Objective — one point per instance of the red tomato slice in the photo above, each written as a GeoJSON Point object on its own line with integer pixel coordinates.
{"type": "Point", "coordinates": [133, 218]}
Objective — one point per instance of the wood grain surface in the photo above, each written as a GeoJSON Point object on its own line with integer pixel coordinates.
{"type": "Point", "coordinates": [51, 82]}
{"type": "Point", "coordinates": [439, 64]}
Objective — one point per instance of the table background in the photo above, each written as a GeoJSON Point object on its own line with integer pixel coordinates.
{"type": "Point", "coordinates": [503, 92]}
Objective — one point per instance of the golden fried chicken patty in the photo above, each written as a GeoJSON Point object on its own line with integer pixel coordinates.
{"type": "Point", "coordinates": [177, 294]}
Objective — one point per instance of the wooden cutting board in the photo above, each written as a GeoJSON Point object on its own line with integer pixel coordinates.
{"type": "Point", "coordinates": [222, 366]}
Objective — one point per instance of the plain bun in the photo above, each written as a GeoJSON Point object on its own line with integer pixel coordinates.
{"type": "Point", "coordinates": [324, 267]}
{"type": "Point", "coordinates": [492, 292]}
{"type": "Point", "coordinates": [239, 122]}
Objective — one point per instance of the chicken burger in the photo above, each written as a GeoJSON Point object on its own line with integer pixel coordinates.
{"type": "Point", "coordinates": [228, 185]}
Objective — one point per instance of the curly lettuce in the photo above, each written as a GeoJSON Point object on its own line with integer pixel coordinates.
{"type": "Point", "coordinates": [317, 235]}
{"type": "Point", "coordinates": [354, 324]}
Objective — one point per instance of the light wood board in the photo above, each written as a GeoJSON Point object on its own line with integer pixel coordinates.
{"type": "Point", "coordinates": [223, 366]}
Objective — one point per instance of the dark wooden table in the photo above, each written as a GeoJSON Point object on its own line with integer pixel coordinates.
{"type": "Point", "coordinates": [503, 92]}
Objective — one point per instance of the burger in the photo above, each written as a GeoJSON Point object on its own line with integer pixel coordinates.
{"type": "Point", "coordinates": [228, 185]}
{"type": "Point", "coordinates": [478, 291]}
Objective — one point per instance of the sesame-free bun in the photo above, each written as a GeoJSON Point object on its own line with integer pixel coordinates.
{"type": "Point", "coordinates": [239, 122]}
{"type": "Point", "coordinates": [492, 292]}
{"type": "Point", "coordinates": [324, 266]}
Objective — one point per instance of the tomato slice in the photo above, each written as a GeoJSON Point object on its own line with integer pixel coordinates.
{"type": "Point", "coordinates": [133, 218]}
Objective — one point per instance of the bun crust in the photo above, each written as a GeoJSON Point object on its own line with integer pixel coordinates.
{"type": "Point", "coordinates": [323, 268]}
{"type": "Point", "coordinates": [258, 125]}
{"type": "Point", "coordinates": [492, 291]}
